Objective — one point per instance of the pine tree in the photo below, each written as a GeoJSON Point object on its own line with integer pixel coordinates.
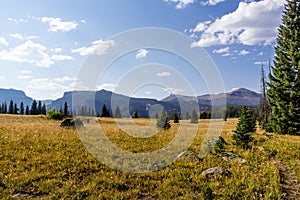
{"type": "Point", "coordinates": [39, 109]}
{"type": "Point", "coordinates": [61, 110]}
{"type": "Point", "coordinates": [22, 108]}
{"type": "Point", "coordinates": [117, 113]}
{"type": "Point", "coordinates": [105, 111]}
{"type": "Point", "coordinates": [163, 121]}
{"type": "Point", "coordinates": [33, 109]}
{"type": "Point", "coordinates": [5, 107]}
{"type": "Point", "coordinates": [284, 85]}
{"type": "Point", "coordinates": [246, 125]}
{"type": "Point", "coordinates": [66, 109]}
{"type": "Point", "coordinates": [27, 112]}
{"type": "Point", "coordinates": [44, 110]}
{"type": "Point", "coordinates": [176, 118]}
{"type": "Point", "coordinates": [187, 116]}
{"type": "Point", "coordinates": [11, 107]}
{"type": "Point", "coordinates": [194, 117]}
{"type": "Point", "coordinates": [16, 109]}
{"type": "Point", "coordinates": [135, 115]}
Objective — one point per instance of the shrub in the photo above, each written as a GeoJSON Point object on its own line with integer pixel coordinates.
{"type": "Point", "coordinates": [163, 120]}
{"type": "Point", "coordinates": [194, 117]}
{"type": "Point", "coordinates": [207, 193]}
{"type": "Point", "coordinates": [246, 125]}
{"type": "Point", "coordinates": [52, 114]}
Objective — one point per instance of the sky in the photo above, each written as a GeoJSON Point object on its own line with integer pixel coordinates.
{"type": "Point", "coordinates": [45, 44]}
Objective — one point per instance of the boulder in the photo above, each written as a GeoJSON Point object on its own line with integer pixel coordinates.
{"type": "Point", "coordinates": [75, 123]}
{"type": "Point", "coordinates": [215, 171]}
{"type": "Point", "coordinates": [188, 156]}
{"type": "Point", "coordinates": [209, 145]}
{"type": "Point", "coordinates": [227, 156]}
{"type": "Point", "coordinates": [78, 123]}
{"type": "Point", "coordinates": [67, 122]}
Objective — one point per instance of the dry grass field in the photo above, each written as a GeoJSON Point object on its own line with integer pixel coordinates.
{"type": "Point", "coordinates": [39, 159]}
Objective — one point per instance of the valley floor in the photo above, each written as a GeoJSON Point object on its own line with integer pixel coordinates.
{"type": "Point", "coordinates": [39, 159]}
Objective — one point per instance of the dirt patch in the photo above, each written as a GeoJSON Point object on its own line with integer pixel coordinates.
{"type": "Point", "coordinates": [288, 182]}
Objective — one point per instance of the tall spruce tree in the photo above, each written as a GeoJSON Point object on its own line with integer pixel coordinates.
{"type": "Point", "coordinates": [246, 125]}
{"type": "Point", "coordinates": [34, 108]}
{"type": "Point", "coordinates": [27, 112]}
{"type": "Point", "coordinates": [22, 108]}
{"type": "Point", "coordinates": [117, 113]}
{"type": "Point", "coordinates": [105, 111]}
{"type": "Point", "coordinates": [66, 109]}
{"type": "Point", "coordinates": [11, 107]}
{"type": "Point", "coordinates": [163, 122]}
{"type": "Point", "coordinates": [135, 115]}
{"type": "Point", "coordinates": [176, 119]}
{"type": "Point", "coordinates": [39, 109]}
{"type": "Point", "coordinates": [44, 110]}
{"type": "Point", "coordinates": [284, 85]}
{"type": "Point", "coordinates": [194, 117]}
{"type": "Point", "coordinates": [16, 109]}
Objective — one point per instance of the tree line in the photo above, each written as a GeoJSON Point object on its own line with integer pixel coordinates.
{"type": "Point", "coordinates": [36, 108]}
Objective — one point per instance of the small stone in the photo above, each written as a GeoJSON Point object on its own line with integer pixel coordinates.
{"type": "Point", "coordinates": [216, 171]}
{"type": "Point", "coordinates": [20, 195]}
{"type": "Point", "coordinates": [227, 156]}
{"type": "Point", "coordinates": [188, 156]}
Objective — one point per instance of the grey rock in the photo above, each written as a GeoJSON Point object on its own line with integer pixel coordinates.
{"type": "Point", "coordinates": [215, 171]}
{"type": "Point", "coordinates": [188, 156]}
{"type": "Point", "coordinates": [227, 156]}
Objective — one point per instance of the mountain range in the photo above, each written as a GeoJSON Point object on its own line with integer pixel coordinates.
{"type": "Point", "coordinates": [128, 105]}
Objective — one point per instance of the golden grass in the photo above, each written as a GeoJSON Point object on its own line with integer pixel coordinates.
{"type": "Point", "coordinates": [42, 160]}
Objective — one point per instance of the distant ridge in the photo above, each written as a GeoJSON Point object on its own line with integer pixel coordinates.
{"type": "Point", "coordinates": [17, 96]}
{"type": "Point", "coordinates": [238, 97]}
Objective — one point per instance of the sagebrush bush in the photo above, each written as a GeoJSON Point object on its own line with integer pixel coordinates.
{"type": "Point", "coordinates": [52, 114]}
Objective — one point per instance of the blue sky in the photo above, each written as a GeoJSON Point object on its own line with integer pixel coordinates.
{"type": "Point", "coordinates": [43, 44]}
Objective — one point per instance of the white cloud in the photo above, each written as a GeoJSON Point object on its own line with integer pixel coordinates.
{"type": "Point", "coordinates": [211, 2]}
{"type": "Point", "coordinates": [141, 53]}
{"type": "Point", "coordinates": [261, 53]}
{"type": "Point", "coordinates": [163, 74]}
{"type": "Point", "coordinates": [28, 52]}
{"type": "Point", "coordinates": [261, 63]}
{"type": "Point", "coordinates": [244, 25]}
{"type": "Point", "coordinates": [180, 4]}
{"type": "Point", "coordinates": [3, 42]}
{"type": "Point", "coordinates": [16, 36]}
{"type": "Point", "coordinates": [32, 37]}
{"type": "Point", "coordinates": [201, 26]}
{"type": "Point", "coordinates": [244, 52]}
{"type": "Point", "coordinates": [64, 79]}
{"type": "Point", "coordinates": [222, 50]}
{"type": "Point", "coordinates": [12, 19]}
{"type": "Point", "coordinates": [17, 20]}
{"type": "Point", "coordinates": [21, 37]}
{"type": "Point", "coordinates": [226, 54]}
{"type": "Point", "coordinates": [107, 86]}
{"type": "Point", "coordinates": [99, 47]}
{"type": "Point", "coordinates": [25, 72]}
{"type": "Point", "coordinates": [56, 24]}
{"type": "Point", "coordinates": [55, 87]}
{"type": "Point", "coordinates": [24, 77]}
{"type": "Point", "coordinates": [148, 92]}
{"type": "Point", "coordinates": [2, 78]}
{"type": "Point", "coordinates": [61, 57]}
{"type": "Point", "coordinates": [173, 90]}
{"type": "Point", "coordinates": [56, 50]}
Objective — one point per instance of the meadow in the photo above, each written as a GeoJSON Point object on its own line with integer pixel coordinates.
{"type": "Point", "coordinates": [41, 160]}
